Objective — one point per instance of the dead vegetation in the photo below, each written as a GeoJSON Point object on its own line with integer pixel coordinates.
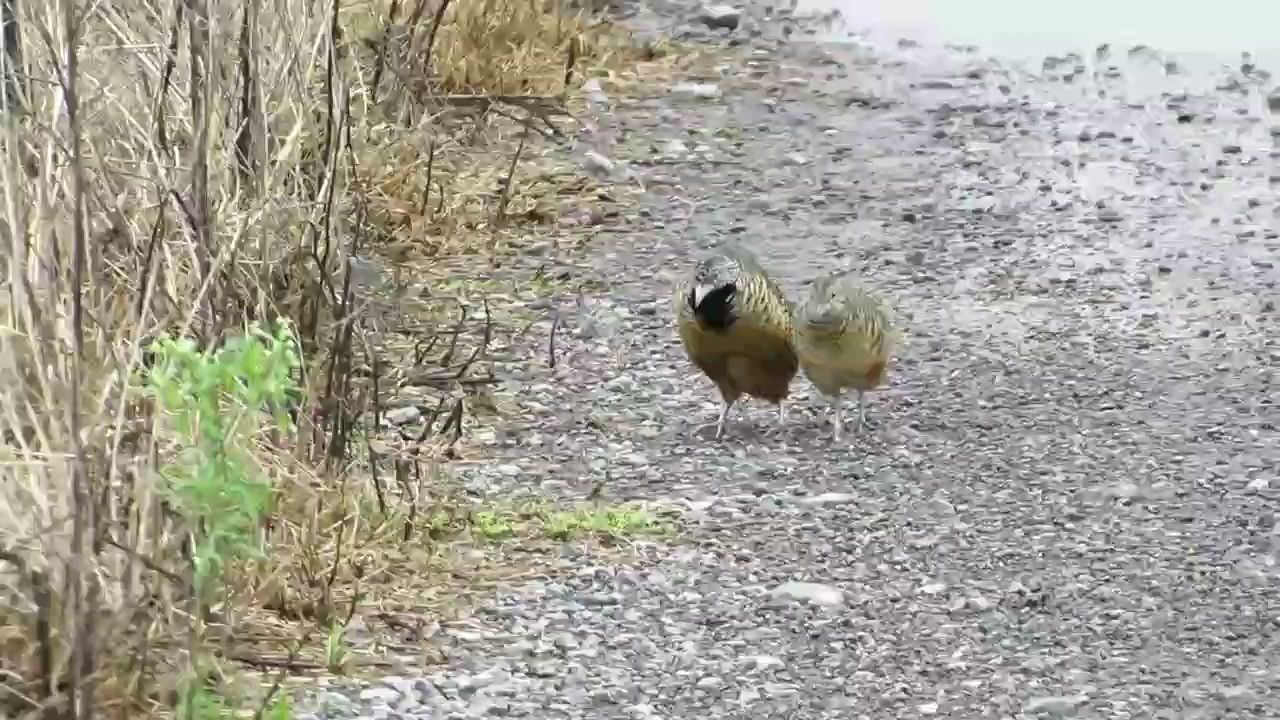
{"type": "Point", "coordinates": [188, 168]}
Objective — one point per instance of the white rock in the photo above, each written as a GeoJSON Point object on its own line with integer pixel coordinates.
{"type": "Point", "coordinates": [720, 16]}
{"type": "Point", "coordinates": [595, 94]}
{"type": "Point", "coordinates": [380, 695]}
{"type": "Point", "coordinates": [596, 163]}
{"type": "Point", "coordinates": [829, 498]}
{"type": "Point", "coordinates": [1053, 703]}
{"type": "Point", "coordinates": [697, 90]}
{"type": "Point", "coordinates": [816, 593]}
{"type": "Point", "coordinates": [402, 415]}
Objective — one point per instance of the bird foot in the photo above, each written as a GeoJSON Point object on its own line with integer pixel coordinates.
{"type": "Point", "coordinates": [709, 431]}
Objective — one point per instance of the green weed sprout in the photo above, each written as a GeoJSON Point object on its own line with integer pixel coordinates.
{"type": "Point", "coordinates": [216, 401]}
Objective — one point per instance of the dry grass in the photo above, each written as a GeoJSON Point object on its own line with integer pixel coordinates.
{"type": "Point", "coordinates": [184, 173]}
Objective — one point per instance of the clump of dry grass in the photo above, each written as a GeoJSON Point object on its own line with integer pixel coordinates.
{"type": "Point", "coordinates": [173, 170]}
{"type": "Point", "coordinates": [456, 101]}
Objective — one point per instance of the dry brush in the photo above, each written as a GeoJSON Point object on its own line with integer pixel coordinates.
{"type": "Point", "coordinates": [187, 168]}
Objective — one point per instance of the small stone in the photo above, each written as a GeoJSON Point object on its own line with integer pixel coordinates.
{"type": "Point", "coordinates": [402, 415]}
{"type": "Point", "coordinates": [762, 662]}
{"type": "Point", "coordinates": [597, 164]}
{"type": "Point", "coordinates": [710, 683]}
{"type": "Point", "coordinates": [674, 147]}
{"type": "Point", "coordinates": [705, 91]}
{"type": "Point", "coordinates": [380, 696]}
{"type": "Point", "coordinates": [545, 669]}
{"type": "Point", "coordinates": [1053, 703]}
{"type": "Point", "coordinates": [720, 16]}
{"type": "Point", "coordinates": [594, 92]}
{"type": "Point", "coordinates": [829, 498]}
{"type": "Point", "coordinates": [816, 593]}
{"type": "Point", "coordinates": [335, 703]}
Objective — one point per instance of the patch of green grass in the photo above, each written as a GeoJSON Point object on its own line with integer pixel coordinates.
{"type": "Point", "coordinates": [534, 520]}
{"type": "Point", "coordinates": [619, 521]}
{"type": "Point", "coordinates": [493, 524]}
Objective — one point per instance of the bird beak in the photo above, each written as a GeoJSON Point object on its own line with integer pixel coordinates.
{"type": "Point", "coordinates": [699, 292]}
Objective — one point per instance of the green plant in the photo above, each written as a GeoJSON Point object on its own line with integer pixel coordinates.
{"type": "Point", "coordinates": [201, 703]}
{"type": "Point", "coordinates": [280, 709]}
{"type": "Point", "coordinates": [335, 649]}
{"type": "Point", "coordinates": [611, 521]}
{"type": "Point", "coordinates": [491, 525]}
{"type": "Point", "coordinates": [215, 400]}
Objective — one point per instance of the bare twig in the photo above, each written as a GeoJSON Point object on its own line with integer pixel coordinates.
{"type": "Point", "coordinates": [380, 65]}
{"type": "Point", "coordinates": [166, 77]}
{"type": "Point", "coordinates": [12, 97]}
{"type": "Point", "coordinates": [431, 166]}
{"type": "Point", "coordinates": [291, 663]}
{"type": "Point", "coordinates": [83, 650]}
{"type": "Point", "coordinates": [420, 352]}
{"type": "Point", "coordinates": [431, 36]}
{"type": "Point", "coordinates": [248, 134]}
{"type": "Point", "coordinates": [200, 209]}
{"type": "Point", "coordinates": [375, 367]}
{"type": "Point", "coordinates": [509, 181]}
{"type": "Point", "coordinates": [278, 680]}
{"type": "Point", "coordinates": [551, 341]}
{"type": "Point", "coordinates": [453, 341]}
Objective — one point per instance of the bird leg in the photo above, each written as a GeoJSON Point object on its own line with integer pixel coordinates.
{"type": "Point", "coordinates": [724, 414]}
{"type": "Point", "coordinates": [782, 413]}
{"type": "Point", "coordinates": [837, 413]}
{"type": "Point", "coordinates": [862, 410]}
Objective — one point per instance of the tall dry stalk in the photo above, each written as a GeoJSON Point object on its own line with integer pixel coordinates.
{"type": "Point", "coordinates": [125, 214]}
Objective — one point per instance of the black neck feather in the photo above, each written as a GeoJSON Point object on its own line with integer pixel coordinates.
{"type": "Point", "coordinates": [716, 309]}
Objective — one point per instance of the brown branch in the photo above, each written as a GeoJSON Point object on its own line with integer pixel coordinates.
{"type": "Point", "coordinates": [431, 37]}
{"type": "Point", "coordinates": [201, 113]}
{"type": "Point", "coordinates": [453, 342]}
{"type": "Point", "coordinates": [431, 162]}
{"type": "Point", "coordinates": [375, 369]}
{"type": "Point", "coordinates": [247, 135]}
{"type": "Point", "coordinates": [84, 650]}
{"type": "Point", "coordinates": [166, 76]}
{"type": "Point", "coordinates": [380, 65]}
{"type": "Point", "coordinates": [289, 663]}
{"type": "Point", "coordinates": [551, 341]}
{"type": "Point", "coordinates": [509, 181]}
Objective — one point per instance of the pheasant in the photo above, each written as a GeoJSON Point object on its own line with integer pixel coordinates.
{"type": "Point", "coordinates": [844, 338]}
{"type": "Point", "coordinates": [736, 325]}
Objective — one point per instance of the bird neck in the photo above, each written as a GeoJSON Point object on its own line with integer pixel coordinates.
{"type": "Point", "coordinates": [716, 310]}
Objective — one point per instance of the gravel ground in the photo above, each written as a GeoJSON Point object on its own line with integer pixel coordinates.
{"type": "Point", "coordinates": [1067, 503]}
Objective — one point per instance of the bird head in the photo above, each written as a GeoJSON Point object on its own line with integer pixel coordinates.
{"type": "Point", "coordinates": [825, 299]}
